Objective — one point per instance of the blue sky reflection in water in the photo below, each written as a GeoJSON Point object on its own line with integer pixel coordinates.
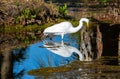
{"type": "Point", "coordinates": [37, 57]}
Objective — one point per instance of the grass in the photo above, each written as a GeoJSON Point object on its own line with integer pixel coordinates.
{"type": "Point", "coordinates": [20, 28]}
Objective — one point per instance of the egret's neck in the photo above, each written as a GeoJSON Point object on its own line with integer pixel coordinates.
{"type": "Point", "coordinates": [75, 29]}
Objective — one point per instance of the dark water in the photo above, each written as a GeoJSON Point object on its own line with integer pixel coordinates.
{"type": "Point", "coordinates": [38, 56]}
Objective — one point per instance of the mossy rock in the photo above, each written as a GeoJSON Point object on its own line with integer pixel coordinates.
{"type": "Point", "coordinates": [79, 67]}
{"type": "Point", "coordinates": [49, 70]}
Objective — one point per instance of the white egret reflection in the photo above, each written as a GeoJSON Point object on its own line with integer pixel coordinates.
{"type": "Point", "coordinates": [63, 49]}
{"type": "Point", "coordinates": [37, 57]}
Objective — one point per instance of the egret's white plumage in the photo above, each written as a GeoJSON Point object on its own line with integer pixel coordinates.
{"type": "Point", "coordinates": [64, 28]}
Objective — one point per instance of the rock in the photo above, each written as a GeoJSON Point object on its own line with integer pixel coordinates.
{"type": "Point", "coordinates": [38, 22]}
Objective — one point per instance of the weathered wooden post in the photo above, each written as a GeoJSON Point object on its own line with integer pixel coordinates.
{"type": "Point", "coordinates": [91, 44]}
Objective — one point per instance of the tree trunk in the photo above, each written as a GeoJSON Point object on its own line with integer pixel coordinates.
{"type": "Point", "coordinates": [99, 43]}
{"type": "Point", "coordinates": [6, 67]}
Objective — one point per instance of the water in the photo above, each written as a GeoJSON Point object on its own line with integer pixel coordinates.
{"type": "Point", "coordinates": [41, 56]}
{"type": "Point", "coordinates": [38, 56]}
{"type": "Point", "coordinates": [61, 55]}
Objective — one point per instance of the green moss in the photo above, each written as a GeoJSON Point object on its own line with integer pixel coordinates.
{"type": "Point", "coordinates": [107, 21]}
{"type": "Point", "coordinates": [98, 66]}
{"type": "Point", "coordinates": [19, 28]}
{"type": "Point", "coordinates": [47, 71]}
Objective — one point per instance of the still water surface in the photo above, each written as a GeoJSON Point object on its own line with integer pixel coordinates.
{"type": "Point", "coordinates": [37, 56]}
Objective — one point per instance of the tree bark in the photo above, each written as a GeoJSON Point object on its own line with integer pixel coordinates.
{"type": "Point", "coordinates": [99, 43]}
{"type": "Point", "coordinates": [6, 67]}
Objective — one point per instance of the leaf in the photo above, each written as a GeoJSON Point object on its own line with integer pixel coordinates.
{"type": "Point", "coordinates": [33, 16]}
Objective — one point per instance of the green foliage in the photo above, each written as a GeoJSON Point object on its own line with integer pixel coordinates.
{"type": "Point", "coordinates": [104, 1]}
{"type": "Point", "coordinates": [26, 40]}
{"type": "Point", "coordinates": [27, 13]}
{"type": "Point", "coordinates": [34, 37]}
{"type": "Point", "coordinates": [33, 16]}
{"type": "Point", "coordinates": [63, 10]}
{"type": "Point", "coordinates": [18, 19]}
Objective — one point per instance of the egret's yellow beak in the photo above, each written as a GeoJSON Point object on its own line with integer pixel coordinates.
{"type": "Point", "coordinates": [87, 25]}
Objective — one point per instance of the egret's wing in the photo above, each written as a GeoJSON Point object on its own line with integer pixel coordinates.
{"type": "Point", "coordinates": [58, 28]}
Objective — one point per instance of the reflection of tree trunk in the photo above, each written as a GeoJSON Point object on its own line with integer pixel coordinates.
{"type": "Point", "coordinates": [6, 67]}
{"type": "Point", "coordinates": [86, 44]}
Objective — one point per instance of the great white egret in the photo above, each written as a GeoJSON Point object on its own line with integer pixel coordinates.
{"type": "Point", "coordinates": [64, 28]}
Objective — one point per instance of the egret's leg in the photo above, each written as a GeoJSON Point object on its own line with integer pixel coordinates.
{"type": "Point", "coordinates": [62, 43]}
